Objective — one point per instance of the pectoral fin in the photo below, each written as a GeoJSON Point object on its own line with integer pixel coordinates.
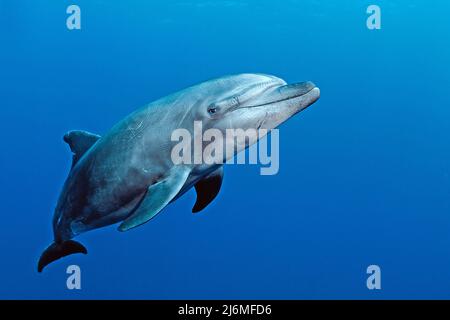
{"type": "Point", "coordinates": [157, 197]}
{"type": "Point", "coordinates": [207, 189]}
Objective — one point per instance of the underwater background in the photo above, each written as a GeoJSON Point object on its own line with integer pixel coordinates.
{"type": "Point", "coordinates": [364, 173]}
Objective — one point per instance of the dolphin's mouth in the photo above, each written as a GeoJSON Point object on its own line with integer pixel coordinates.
{"type": "Point", "coordinates": [287, 92]}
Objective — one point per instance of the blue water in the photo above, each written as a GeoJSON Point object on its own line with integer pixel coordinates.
{"type": "Point", "coordinates": [364, 173]}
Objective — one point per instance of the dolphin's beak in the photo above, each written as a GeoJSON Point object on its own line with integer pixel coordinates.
{"type": "Point", "coordinates": [296, 89]}
{"type": "Point", "coordinates": [305, 90]}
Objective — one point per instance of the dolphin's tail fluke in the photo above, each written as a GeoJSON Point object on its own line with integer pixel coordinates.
{"type": "Point", "coordinates": [58, 250]}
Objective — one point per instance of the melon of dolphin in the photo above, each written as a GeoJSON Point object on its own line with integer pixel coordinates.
{"type": "Point", "coordinates": [128, 175]}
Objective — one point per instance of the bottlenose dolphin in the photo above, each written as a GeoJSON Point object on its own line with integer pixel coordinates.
{"type": "Point", "coordinates": [128, 176]}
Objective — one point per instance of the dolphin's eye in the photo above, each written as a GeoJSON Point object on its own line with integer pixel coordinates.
{"type": "Point", "coordinates": [212, 110]}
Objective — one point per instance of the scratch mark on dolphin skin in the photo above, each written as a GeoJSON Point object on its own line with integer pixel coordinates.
{"type": "Point", "coordinates": [134, 131]}
{"type": "Point", "coordinates": [188, 110]}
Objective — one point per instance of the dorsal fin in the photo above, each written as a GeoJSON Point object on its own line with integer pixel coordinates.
{"type": "Point", "coordinates": [80, 142]}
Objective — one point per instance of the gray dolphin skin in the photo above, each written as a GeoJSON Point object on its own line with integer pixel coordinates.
{"type": "Point", "coordinates": [128, 175]}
